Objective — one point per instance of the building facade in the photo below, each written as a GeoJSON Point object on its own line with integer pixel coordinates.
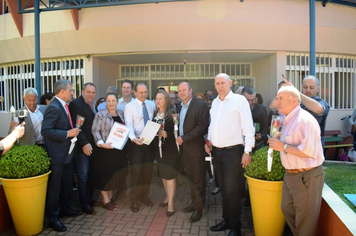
{"type": "Point", "coordinates": [162, 44]}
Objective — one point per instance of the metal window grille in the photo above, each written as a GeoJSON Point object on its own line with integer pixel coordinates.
{"type": "Point", "coordinates": [336, 74]}
{"type": "Point", "coordinates": [15, 78]}
{"type": "Point", "coordinates": [240, 73]}
{"type": "Point", "coordinates": [191, 71]}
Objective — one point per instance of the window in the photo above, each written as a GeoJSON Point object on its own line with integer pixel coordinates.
{"type": "Point", "coordinates": [337, 80]}
{"type": "Point", "coordinates": [20, 76]}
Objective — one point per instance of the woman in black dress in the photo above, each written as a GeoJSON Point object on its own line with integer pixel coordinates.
{"type": "Point", "coordinates": [108, 162]}
{"type": "Point", "coordinates": [166, 150]}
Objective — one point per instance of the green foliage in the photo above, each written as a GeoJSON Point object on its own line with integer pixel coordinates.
{"type": "Point", "coordinates": [24, 161]}
{"type": "Point", "coordinates": [258, 167]}
{"type": "Point", "coordinates": [341, 179]}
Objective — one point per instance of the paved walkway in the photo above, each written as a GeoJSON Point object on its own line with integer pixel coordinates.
{"type": "Point", "coordinates": [150, 221]}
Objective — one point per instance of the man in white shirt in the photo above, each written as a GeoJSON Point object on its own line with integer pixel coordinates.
{"type": "Point", "coordinates": [126, 91]}
{"type": "Point", "coordinates": [231, 126]}
{"type": "Point", "coordinates": [34, 120]}
{"type": "Point", "coordinates": [137, 113]}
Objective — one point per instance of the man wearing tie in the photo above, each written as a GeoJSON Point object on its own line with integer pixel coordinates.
{"type": "Point", "coordinates": [57, 131]}
{"type": "Point", "coordinates": [137, 113]}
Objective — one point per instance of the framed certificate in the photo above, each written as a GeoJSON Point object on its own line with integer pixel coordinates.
{"type": "Point", "coordinates": [118, 136]}
{"type": "Point", "coordinates": [149, 132]}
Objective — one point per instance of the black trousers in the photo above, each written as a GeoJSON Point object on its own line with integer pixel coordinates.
{"type": "Point", "coordinates": [141, 163]}
{"type": "Point", "coordinates": [230, 173]}
{"type": "Point", "coordinates": [59, 191]}
{"type": "Point", "coordinates": [195, 169]}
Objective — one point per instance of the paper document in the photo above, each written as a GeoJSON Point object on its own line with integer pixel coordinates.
{"type": "Point", "coordinates": [118, 136]}
{"type": "Point", "coordinates": [72, 145]}
{"type": "Point", "coordinates": [149, 132]}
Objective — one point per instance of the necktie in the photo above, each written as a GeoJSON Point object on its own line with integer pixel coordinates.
{"type": "Point", "coordinates": [70, 118]}
{"type": "Point", "coordinates": [145, 113]}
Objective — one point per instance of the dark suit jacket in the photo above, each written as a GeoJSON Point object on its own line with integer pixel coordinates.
{"type": "Point", "coordinates": [80, 107]}
{"type": "Point", "coordinates": [29, 137]}
{"type": "Point", "coordinates": [55, 125]}
{"type": "Point", "coordinates": [195, 126]}
{"type": "Point", "coordinates": [259, 115]}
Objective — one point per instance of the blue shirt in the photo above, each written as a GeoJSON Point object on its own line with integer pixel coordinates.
{"type": "Point", "coordinates": [182, 114]}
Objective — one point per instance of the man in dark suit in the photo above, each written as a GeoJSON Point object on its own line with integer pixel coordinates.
{"type": "Point", "coordinates": [194, 121]}
{"type": "Point", "coordinates": [57, 131]}
{"type": "Point", "coordinates": [84, 106]}
{"type": "Point", "coordinates": [259, 116]}
{"type": "Point", "coordinates": [34, 118]}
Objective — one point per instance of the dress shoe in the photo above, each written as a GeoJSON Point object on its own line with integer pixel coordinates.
{"type": "Point", "coordinates": [196, 216]}
{"type": "Point", "coordinates": [57, 226]}
{"type": "Point", "coordinates": [190, 208]}
{"type": "Point", "coordinates": [70, 213]}
{"type": "Point", "coordinates": [88, 210]}
{"type": "Point", "coordinates": [134, 207]}
{"type": "Point", "coordinates": [234, 232]}
{"type": "Point", "coordinates": [169, 213]}
{"type": "Point", "coordinates": [163, 204]}
{"type": "Point", "coordinates": [146, 201]}
{"type": "Point", "coordinates": [220, 227]}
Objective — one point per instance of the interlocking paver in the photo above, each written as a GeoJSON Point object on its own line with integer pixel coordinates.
{"type": "Point", "coordinates": [86, 231]}
{"type": "Point", "coordinates": [149, 221]}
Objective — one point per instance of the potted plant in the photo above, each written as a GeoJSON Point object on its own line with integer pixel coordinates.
{"type": "Point", "coordinates": [266, 193]}
{"type": "Point", "coordinates": [24, 174]}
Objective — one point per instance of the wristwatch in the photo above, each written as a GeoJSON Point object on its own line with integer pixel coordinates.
{"type": "Point", "coordinates": [248, 153]}
{"type": "Point", "coordinates": [285, 147]}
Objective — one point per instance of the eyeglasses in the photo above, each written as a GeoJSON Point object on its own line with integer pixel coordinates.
{"type": "Point", "coordinates": [209, 97]}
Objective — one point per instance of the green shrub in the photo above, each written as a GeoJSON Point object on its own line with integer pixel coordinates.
{"type": "Point", "coordinates": [24, 161]}
{"type": "Point", "coordinates": [258, 167]}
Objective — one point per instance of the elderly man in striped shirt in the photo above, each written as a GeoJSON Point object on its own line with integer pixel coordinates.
{"type": "Point", "coordinates": [302, 156]}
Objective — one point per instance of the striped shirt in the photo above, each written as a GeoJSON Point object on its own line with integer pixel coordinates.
{"type": "Point", "coordinates": [301, 129]}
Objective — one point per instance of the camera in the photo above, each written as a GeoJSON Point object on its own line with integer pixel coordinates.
{"type": "Point", "coordinates": [22, 115]}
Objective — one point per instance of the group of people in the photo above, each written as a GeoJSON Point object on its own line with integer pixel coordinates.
{"type": "Point", "coordinates": [231, 136]}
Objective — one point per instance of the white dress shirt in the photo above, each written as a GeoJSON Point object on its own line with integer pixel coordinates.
{"type": "Point", "coordinates": [134, 116]}
{"type": "Point", "coordinates": [64, 106]}
{"type": "Point", "coordinates": [37, 118]}
{"type": "Point", "coordinates": [231, 122]}
{"type": "Point", "coordinates": [120, 106]}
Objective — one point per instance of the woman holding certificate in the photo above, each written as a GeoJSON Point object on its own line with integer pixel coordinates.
{"type": "Point", "coordinates": [108, 162]}
{"type": "Point", "coordinates": [166, 150]}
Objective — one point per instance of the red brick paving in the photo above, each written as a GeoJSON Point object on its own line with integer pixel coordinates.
{"type": "Point", "coordinates": [149, 221]}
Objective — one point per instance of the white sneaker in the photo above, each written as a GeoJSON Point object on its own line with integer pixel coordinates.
{"type": "Point", "coordinates": [215, 191]}
{"type": "Point", "coordinates": [210, 182]}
